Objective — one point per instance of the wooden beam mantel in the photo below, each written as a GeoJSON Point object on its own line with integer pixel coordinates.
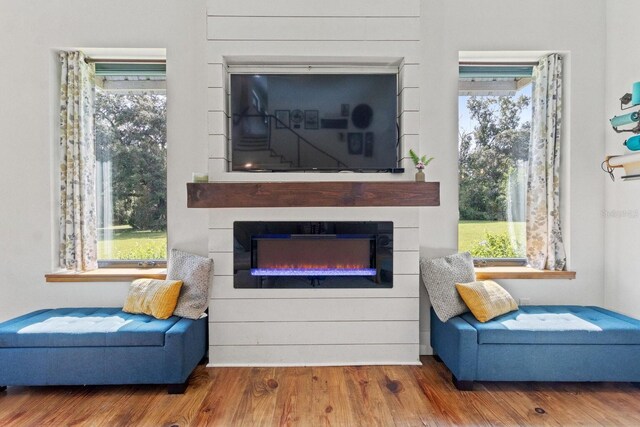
{"type": "Point", "coordinates": [312, 194]}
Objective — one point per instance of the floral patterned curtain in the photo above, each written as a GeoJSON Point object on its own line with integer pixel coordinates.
{"type": "Point", "coordinates": [545, 249]}
{"type": "Point", "coordinates": [78, 234]}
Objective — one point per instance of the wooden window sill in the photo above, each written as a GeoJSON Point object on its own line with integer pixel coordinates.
{"type": "Point", "coordinates": [108, 275]}
{"type": "Point", "coordinates": [129, 274]}
{"type": "Point", "coordinates": [483, 273]}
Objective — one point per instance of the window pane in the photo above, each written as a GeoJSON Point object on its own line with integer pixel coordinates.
{"type": "Point", "coordinates": [494, 135]}
{"type": "Point", "coordinates": [132, 174]}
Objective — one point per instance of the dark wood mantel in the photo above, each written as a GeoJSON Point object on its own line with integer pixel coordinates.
{"type": "Point", "coordinates": [312, 194]}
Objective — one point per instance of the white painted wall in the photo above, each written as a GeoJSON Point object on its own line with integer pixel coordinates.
{"type": "Point", "coordinates": [30, 33]}
{"type": "Point", "coordinates": [574, 27]}
{"type": "Point", "coordinates": [622, 202]}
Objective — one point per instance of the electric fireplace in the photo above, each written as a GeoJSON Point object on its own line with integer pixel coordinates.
{"type": "Point", "coordinates": [313, 254]}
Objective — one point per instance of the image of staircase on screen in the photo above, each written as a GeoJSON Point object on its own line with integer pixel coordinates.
{"type": "Point", "coordinates": [304, 122]}
{"type": "Point", "coordinates": [313, 254]}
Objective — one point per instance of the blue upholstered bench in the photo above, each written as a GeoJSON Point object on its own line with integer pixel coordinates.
{"type": "Point", "coordinates": [81, 346]}
{"type": "Point", "coordinates": [475, 351]}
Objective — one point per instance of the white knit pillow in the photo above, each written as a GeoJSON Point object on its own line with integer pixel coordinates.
{"type": "Point", "coordinates": [195, 272]}
{"type": "Point", "coordinates": [440, 276]}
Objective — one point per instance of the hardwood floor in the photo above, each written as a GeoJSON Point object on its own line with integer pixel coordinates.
{"type": "Point", "coordinates": [325, 396]}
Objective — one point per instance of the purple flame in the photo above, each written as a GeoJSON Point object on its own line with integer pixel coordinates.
{"type": "Point", "coordinates": [313, 271]}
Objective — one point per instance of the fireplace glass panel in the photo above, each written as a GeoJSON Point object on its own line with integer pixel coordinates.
{"type": "Point", "coordinates": [314, 256]}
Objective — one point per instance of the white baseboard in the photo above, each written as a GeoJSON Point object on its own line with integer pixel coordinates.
{"type": "Point", "coordinates": [314, 355]}
{"type": "Point", "coordinates": [425, 346]}
{"type": "Point", "coordinates": [294, 365]}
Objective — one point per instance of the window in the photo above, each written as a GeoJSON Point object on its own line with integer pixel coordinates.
{"type": "Point", "coordinates": [131, 154]}
{"type": "Point", "coordinates": [493, 146]}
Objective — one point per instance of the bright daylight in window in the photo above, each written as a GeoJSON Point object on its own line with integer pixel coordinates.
{"type": "Point", "coordinates": [131, 152]}
{"type": "Point", "coordinates": [494, 134]}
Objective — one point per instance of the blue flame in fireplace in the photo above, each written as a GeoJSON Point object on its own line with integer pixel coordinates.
{"type": "Point", "coordinates": [313, 271]}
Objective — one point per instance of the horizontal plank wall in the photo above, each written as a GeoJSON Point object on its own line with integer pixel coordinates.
{"type": "Point", "coordinates": [327, 8]}
{"type": "Point", "coordinates": [269, 327]}
{"type": "Point", "coordinates": [330, 32]}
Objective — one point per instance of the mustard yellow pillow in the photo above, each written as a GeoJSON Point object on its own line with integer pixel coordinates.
{"type": "Point", "coordinates": [486, 299]}
{"type": "Point", "coordinates": [157, 298]}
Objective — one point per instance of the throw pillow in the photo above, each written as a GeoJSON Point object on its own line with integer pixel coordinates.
{"type": "Point", "coordinates": [440, 276]}
{"type": "Point", "coordinates": [156, 298]}
{"type": "Point", "coordinates": [486, 299]}
{"type": "Point", "coordinates": [194, 271]}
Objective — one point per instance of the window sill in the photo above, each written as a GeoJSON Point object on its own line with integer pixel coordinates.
{"type": "Point", "coordinates": [108, 275]}
{"type": "Point", "coordinates": [129, 274]}
{"type": "Point", "coordinates": [483, 273]}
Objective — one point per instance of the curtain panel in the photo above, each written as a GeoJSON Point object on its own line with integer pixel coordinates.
{"type": "Point", "coordinates": [78, 232]}
{"type": "Point", "coordinates": [545, 248]}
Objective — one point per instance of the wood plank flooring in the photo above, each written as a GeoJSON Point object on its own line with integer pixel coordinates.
{"type": "Point", "coordinates": [325, 396]}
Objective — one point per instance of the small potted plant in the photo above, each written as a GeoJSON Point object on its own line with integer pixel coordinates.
{"type": "Point", "coordinates": [420, 163]}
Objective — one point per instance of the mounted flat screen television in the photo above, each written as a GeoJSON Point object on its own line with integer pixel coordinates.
{"type": "Point", "coordinates": [314, 122]}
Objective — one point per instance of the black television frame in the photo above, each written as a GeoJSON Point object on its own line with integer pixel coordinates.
{"type": "Point", "coordinates": [392, 168]}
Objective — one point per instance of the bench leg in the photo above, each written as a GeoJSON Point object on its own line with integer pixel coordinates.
{"type": "Point", "coordinates": [462, 385]}
{"type": "Point", "coordinates": [2, 388]}
{"type": "Point", "coordinates": [177, 388]}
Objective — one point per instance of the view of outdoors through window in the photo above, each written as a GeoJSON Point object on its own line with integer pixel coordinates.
{"type": "Point", "coordinates": [131, 153]}
{"type": "Point", "coordinates": [493, 145]}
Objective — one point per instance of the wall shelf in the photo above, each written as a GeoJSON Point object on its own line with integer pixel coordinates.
{"type": "Point", "coordinates": [629, 162]}
{"type": "Point", "coordinates": [312, 194]}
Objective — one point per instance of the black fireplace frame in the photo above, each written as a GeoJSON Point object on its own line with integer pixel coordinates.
{"type": "Point", "coordinates": [379, 273]}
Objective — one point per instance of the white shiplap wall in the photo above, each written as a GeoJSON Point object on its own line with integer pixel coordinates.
{"type": "Point", "coordinates": [262, 327]}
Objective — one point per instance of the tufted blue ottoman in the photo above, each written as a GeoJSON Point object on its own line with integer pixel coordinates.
{"type": "Point", "coordinates": [540, 343]}
{"type": "Point", "coordinates": [79, 346]}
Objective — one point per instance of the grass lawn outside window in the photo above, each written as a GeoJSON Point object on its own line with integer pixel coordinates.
{"type": "Point", "coordinates": [473, 234]}
{"type": "Point", "coordinates": [121, 242]}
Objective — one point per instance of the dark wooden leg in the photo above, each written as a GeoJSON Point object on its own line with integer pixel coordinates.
{"type": "Point", "coordinates": [177, 388]}
{"type": "Point", "coordinates": [637, 385]}
{"type": "Point", "coordinates": [3, 388]}
{"type": "Point", "coordinates": [437, 358]}
{"type": "Point", "coordinates": [462, 385]}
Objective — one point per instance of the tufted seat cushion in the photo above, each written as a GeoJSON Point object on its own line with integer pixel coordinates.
{"type": "Point", "coordinates": [616, 328]}
{"type": "Point", "coordinates": [84, 327]}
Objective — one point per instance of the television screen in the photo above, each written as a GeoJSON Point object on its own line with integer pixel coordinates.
{"type": "Point", "coordinates": [306, 122]}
